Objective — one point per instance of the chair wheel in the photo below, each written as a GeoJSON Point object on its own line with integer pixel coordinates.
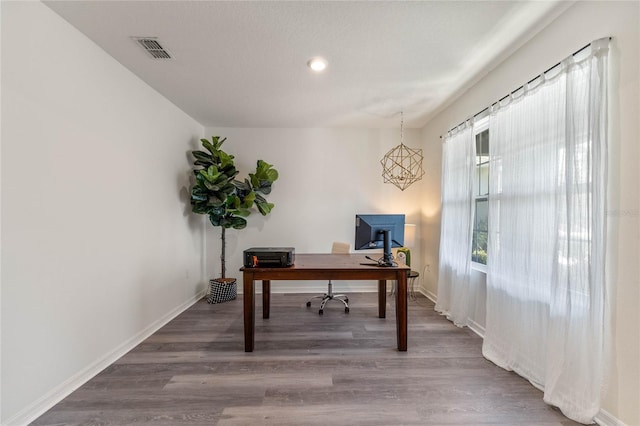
{"type": "Point", "coordinates": [308, 304]}
{"type": "Point", "coordinates": [320, 312]}
{"type": "Point", "coordinates": [346, 310]}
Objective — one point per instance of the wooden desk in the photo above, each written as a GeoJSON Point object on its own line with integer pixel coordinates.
{"type": "Point", "coordinates": [326, 267]}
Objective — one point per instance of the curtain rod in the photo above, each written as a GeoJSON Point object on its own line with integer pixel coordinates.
{"type": "Point", "coordinates": [514, 91]}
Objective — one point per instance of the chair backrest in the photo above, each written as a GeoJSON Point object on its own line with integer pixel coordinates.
{"type": "Point", "coordinates": [340, 248]}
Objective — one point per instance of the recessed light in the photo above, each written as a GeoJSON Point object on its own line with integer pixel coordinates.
{"type": "Point", "coordinates": [317, 64]}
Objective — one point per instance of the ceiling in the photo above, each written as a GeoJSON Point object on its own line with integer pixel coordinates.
{"type": "Point", "coordinates": [243, 64]}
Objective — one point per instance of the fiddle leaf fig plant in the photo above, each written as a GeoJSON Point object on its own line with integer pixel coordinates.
{"type": "Point", "coordinates": [226, 200]}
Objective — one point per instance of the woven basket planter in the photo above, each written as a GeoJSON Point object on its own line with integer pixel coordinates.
{"type": "Point", "coordinates": [222, 290]}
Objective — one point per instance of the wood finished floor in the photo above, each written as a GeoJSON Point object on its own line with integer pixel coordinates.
{"type": "Point", "coordinates": [307, 369]}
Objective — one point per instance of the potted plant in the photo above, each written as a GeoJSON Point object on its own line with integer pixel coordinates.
{"type": "Point", "coordinates": [227, 201]}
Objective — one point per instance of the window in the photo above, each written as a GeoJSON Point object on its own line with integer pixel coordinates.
{"type": "Point", "coordinates": [481, 217]}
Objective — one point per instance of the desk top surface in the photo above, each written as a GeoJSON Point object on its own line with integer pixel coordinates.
{"type": "Point", "coordinates": [342, 262]}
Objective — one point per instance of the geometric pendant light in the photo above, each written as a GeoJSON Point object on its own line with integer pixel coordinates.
{"type": "Point", "coordinates": [402, 165]}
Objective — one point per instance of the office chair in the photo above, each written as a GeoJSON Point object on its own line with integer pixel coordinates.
{"type": "Point", "coordinates": [337, 248]}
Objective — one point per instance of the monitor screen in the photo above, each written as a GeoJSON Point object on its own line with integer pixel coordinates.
{"type": "Point", "coordinates": [374, 231]}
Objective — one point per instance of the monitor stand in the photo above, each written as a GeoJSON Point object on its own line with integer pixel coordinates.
{"type": "Point", "coordinates": [387, 257]}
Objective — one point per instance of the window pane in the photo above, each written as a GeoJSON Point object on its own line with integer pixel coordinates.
{"type": "Point", "coordinates": [482, 161]}
{"type": "Point", "coordinates": [479, 253]}
{"type": "Point", "coordinates": [481, 221]}
{"type": "Point", "coordinates": [483, 179]}
{"type": "Point", "coordinates": [482, 147]}
{"type": "Point", "coordinates": [480, 232]}
{"type": "Point", "coordinates": [482, 215]}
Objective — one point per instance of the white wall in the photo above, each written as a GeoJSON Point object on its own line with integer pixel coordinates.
{"type": "Point", "coordinates": [579, 25]}
{"type": "Point", "coordinates": [326, 177]}
{"type": "Point", "coordinates": [98, 245]}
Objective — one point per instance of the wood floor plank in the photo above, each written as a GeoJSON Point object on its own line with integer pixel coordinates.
{"type": "Point", "coordinates": [318, 415]}
{"type": "Point", "coordinates": [262, 380]}
{"type": "Point", "coordinates": [307, 369]}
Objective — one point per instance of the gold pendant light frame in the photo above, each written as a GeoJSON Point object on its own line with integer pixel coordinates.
{"type": "Point", "coordinates": [402, 165]}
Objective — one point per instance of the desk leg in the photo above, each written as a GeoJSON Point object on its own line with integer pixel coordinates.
{"type": "Point", "coordinates": [401, 311]}
{"type": "Point", "coordinates": [382, 298]}
{"type": "Point", "coordinates": [266, 298]}
{"type": "Point", "coordinates": [249, 297]}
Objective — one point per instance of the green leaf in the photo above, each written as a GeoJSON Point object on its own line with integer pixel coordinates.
{"type": "Point", "coordinates": [266, 171]}
{"type": "Point", "coordinates": [198, 197]}
{"type": "Point", "coordinates": [218, 142]}
{"type": "Point", "coordinates": [215, 200]}
{"type": "Point", "coordinates": [264, 176]}
{"type": "Point", "coordinates": [204, 164]}
{"type": "Point", "coordinates": [249, 198]}
{"type": "Point", "coordinates": [242, 212]}
{"type": "Point", "coordinates": [238, 223]}
{"type": "Point", "coordinates": [233, 201]}
{"type": "Point", "coordinates": [215, 142]}
{"type": "Point", "coordinates": [225, 159]}
{"type": "Point", "coordinates": [227, 188]}
{"type": "Point", "coordinates": [255, 182]}
{"type": "Point", "coordinates": [198, 208]}
{"type": "Point", "coordinates": [211, 186]}
{"type": "Point", "coordinates": [198, 190]}
{"type": "Point", "coordinates": [209, 146]}
{"type": "Point", "coordinates": [215, 220]}
{"type": "Point", "coordinates": [202, 156]}
{"type": "Point", "coordinates": [264, 187]}
{"type": "Point", "coordinates": [272, 175]}
{"type": "Point", "coordinates": [211, 174]}
{"type": "Point", "coordinates": [265, 208]}
{"type": "Point", "coordinates": [242, 186]}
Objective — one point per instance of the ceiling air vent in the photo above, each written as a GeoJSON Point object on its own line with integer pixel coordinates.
{"type": "Point", "coordinates": [153, 47]}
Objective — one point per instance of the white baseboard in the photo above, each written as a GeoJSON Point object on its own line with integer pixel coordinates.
{"type": "Point", "coordinates": [604, 418]}
{"type": "Point", "coordinates": [476, 328]}
{"type": "Point", "coordinates": [429, 295]}
{"type": "Point", "coordinates": [40, 406]}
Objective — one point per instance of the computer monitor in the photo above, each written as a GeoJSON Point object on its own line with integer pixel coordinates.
{"type": "Point", "coordinates": [383, 231]}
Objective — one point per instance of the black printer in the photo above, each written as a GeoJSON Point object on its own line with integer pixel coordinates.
{"type": "Point", "coordinates": [269, 257]}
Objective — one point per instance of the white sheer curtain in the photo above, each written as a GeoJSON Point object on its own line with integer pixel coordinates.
{"type": "Point", "coordinates": [454, 277]}
{"type": "Point", "coordinates": [546, 316]}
